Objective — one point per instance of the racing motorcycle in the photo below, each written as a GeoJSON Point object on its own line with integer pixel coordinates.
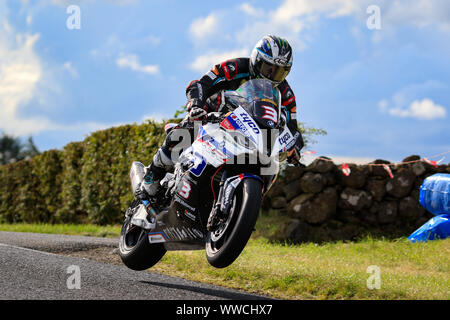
{"type": "Point", "coordinates": [212, 198]}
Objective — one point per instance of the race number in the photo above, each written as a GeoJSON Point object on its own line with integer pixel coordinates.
{"type": "Point", "coordinates": [185, 190]}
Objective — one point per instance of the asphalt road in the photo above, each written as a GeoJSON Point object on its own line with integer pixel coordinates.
{"type": "Point", "coordinates": [30, 268]}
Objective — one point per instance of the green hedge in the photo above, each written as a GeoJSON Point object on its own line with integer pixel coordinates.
{"type": "Point", "coordinates": [85, 182]}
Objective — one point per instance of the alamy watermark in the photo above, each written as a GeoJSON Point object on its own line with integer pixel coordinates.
{"type": "Point", "coordinates": [374, 20]}
{"type": "Point", "coordinates": [235, 147]}
{"type": "Point", "coordinates": [374, 280]}
{"type": "Point", "coordinates": [74, 20]}
{"type": "Point", "coordinates": [74, 280]}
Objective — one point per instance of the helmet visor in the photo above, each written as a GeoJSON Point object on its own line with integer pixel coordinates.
{"type": "Point", "coordinates": [273, 72]}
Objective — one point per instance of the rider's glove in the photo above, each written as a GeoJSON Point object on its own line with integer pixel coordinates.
{"type": "Point", "coordinates": [192, 104]}
{"type": "Point", "coordinates": [197, 113]}
{"type": "Point", "coordinates": [294, 154]}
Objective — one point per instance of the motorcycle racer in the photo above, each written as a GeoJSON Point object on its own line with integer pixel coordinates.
{"type": "Point", "coordinates": [270, 59]}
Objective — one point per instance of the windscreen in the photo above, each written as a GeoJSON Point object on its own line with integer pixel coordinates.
{"type": "Point", "coordinates": [254, 90]}
{"type": "Point", "coordinates": [260, 99]}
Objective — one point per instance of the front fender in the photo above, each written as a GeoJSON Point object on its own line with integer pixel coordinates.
{"type": "Point", "coordinates": [230, 186]}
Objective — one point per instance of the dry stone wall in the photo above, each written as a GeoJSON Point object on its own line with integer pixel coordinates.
{"type": "Point", "coordinates": [324, 204]}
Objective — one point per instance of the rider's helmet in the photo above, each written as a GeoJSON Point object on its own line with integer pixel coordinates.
{"type": "Point", "coordinates": [271, 59]}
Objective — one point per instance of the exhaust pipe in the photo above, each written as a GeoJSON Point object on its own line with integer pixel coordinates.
{"type": "Point", "coordinates": [137, 173]}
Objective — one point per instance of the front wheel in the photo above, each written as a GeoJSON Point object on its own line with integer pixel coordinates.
{"type": "Point", "coordinates": [135, 250]}
{"type": "Point", "coordinates": [225, 243]}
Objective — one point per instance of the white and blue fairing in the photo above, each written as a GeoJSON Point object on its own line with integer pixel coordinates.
{"type": "Point", "coordinates": [239, 133]}
{"type": "Point", "coordinates": [216, 144]}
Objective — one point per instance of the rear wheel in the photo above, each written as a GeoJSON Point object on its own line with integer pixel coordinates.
{"type": "Point", "coordinates": [225, 243]}
{"type": "Point", "coordinates": [135, 250]}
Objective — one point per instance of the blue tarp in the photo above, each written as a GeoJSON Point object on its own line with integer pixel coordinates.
{"type": "Point", "coordinates": [435, 194]}
{"type": "Point", "coordinates": [436, 228]}
{"type": "Point", "coordinates": [435, 197]}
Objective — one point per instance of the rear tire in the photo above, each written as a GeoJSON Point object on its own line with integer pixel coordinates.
{"type": "Point", "coordinates": [246, 203]}
{"type": "Point", "coordinates": [135, 250]}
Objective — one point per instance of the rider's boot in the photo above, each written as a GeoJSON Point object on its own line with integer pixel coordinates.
{"type": "Point", "coordinates": [153, 175]}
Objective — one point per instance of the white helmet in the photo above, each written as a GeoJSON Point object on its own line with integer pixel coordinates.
{"type": "Point", "coordinates": [271, 59]}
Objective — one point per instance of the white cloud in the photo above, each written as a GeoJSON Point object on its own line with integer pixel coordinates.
{"type": "Point", "coordinates": [271, 22]}
{"type": "Point", "coordinates": [83, 127]}
{"type": "Point", "coordinates": [205, 62]}
{"type": "Point", "coordinates": [291, 9]}
{"type": "Point", "coordinates": [20, 72]}
{"type": "Point", "coordinates": [22, 80]}
{"type": "Point", "coordinates": [418, 13]}
{"type": "Point", "coordinates": [158, 117]}
{"type": "Point", "coordinates": [289, 20]}
{"type": "Point", "coordinates": [293, 17]}
{"type": "Point", "coordinates": [250, 10]}
{"type": "Point", "coordinates": [131, 61]}
{"type": "Point", "coordinates": [408, 102]}
{"type": "Point", "coordinates": [355, 160]}
{"type": "Point", "coordinates": [153, 40]}
{"type": "Point", "coordinates": [67, 66]}
{"type": "Point", "coordinates": [308, 159]}
{"type": "Point", "coordinates": [66, 3]}
{"type": "Point", "coordinates": [383, 104]}
{"type": "Point", "coordinates": [202, 27]}
{"type": "Point", "coordinates": [424, 109]}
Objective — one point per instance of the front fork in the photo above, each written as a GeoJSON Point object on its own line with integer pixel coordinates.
{"type": "Point", "coordinates": [226, 192]}
{"type": "Point", "coordinates": [214, 217]}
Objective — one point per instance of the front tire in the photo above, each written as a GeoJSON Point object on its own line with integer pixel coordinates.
{"type": "Point", "coordinates": [223, 249]}
{"type": "Point", "coordinates": [135, 250]}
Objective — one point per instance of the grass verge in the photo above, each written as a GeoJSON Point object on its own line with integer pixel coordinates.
{"type": "Point", "coordinates": [309, 271]}
{"type": "Point", "coordinates": [328, 271]}
{"type": "Point", "coordinates": [70, 229]}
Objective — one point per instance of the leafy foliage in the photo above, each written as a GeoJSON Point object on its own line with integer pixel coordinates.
{"type": "Point", "coordinates": [85, 182]}
{"type": "Point", "coordinates": [12, 149]}
{"type": "Point", "coordinates": [308, 133]}
{"type": "Point", "coordinates": [181, 111]}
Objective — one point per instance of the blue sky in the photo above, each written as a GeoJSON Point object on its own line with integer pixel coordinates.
{"type": "Point", "coordinates": [379, 93]}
